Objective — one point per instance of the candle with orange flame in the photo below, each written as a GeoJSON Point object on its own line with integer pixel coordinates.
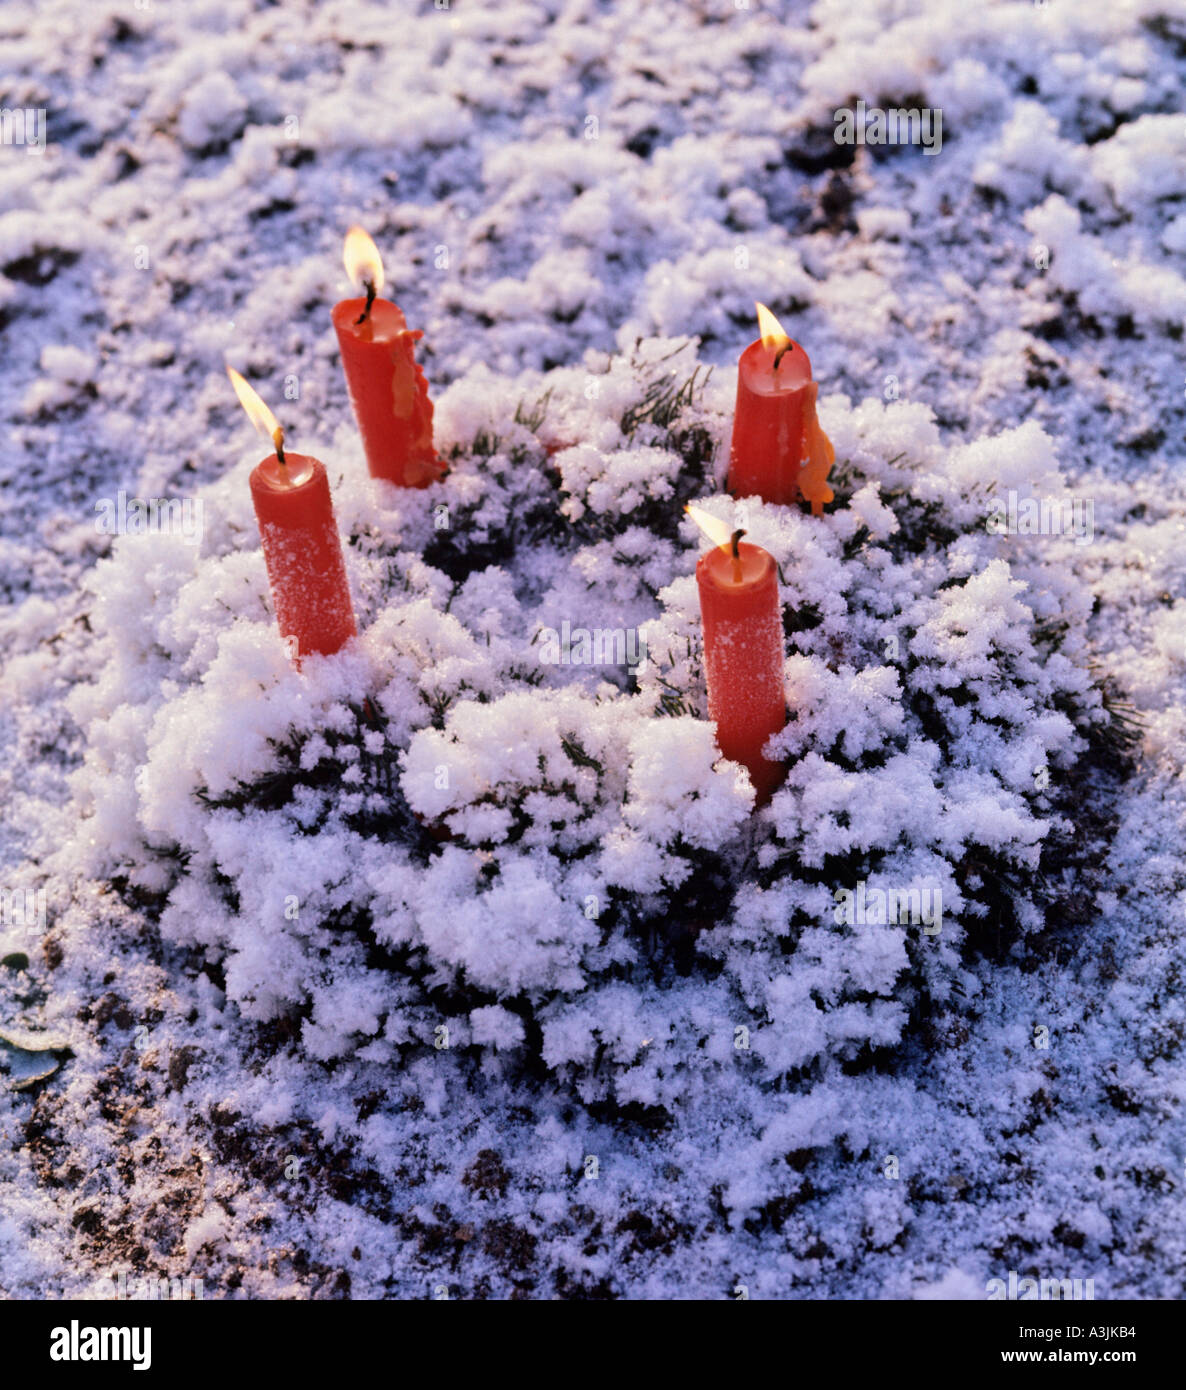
{"type": "Point", "coordinates": [775, 424]}
{"type": "Point", "coordinates": [302, 549]}
{"type": "Point", "coordinates": [387, 386]}
{"type": "Point", "coordinates": [744, 649]}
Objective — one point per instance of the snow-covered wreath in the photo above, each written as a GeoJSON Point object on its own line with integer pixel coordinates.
{"type": "Point", "coordinates": [448, 836]}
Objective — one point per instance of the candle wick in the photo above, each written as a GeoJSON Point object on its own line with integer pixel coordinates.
{"type": "Point", "coordinates": [734, 539]}
{"type": "Point", "coordinates": [781, 353]}
{"type": "Point", "coordinates": [278, 440]}
{"type": "Point", "coordinates": [366, 313]}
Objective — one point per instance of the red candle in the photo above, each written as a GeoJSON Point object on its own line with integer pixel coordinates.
{"type": "Point", "coordinates": [387, 385]}
{"type": "Point", "coordinates": [744, 649]}
{"type": "Point", "coordinates": [774, 418]}
{"type": "Point", "coordinates": [302, 549]}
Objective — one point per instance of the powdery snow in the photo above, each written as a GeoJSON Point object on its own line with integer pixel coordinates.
{"type": "Point", "coordinates": [454, 963]}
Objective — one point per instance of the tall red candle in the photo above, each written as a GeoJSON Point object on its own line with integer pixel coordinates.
{"type": "Point", "coordinates": [302, 548]}
{"type": "Point", "coordinates": [387, 386]}
{"type": "Point", "coordinates": [774, 408]}
{"type": "Point", "coordinates": [744, 654]}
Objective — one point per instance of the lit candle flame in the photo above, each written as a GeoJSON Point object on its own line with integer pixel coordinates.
{"type": "Point", "coordinates": [360, 256]}
{"type": "Point", "coordinates": [771, 330]}
{"type": "Point", "coordinates": [257, 412]}
{"type": "Point", "coordinates": [719, 532]}
{"type": "Point", "coordinates": [720, 535]}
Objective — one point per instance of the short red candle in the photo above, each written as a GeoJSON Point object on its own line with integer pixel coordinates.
{"type": "Point", "coordinates": [769, 424]}
{"type": "Point", "coordinates": [388, 390]}
{"type": "Point", "coordinates": [744, 656]}
{"type": "Point", "coordinates": [303, 553]}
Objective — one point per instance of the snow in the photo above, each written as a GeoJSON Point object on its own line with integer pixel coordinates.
{"type": "Point", "coordinates": [441, 962]}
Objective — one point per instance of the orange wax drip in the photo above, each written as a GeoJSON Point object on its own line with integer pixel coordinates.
{"type": "Point", "coordinates": [821, 455]}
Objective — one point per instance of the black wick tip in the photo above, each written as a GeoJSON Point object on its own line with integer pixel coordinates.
{"type": "Point", "coordinates": [736, 536]}
{"type": "Point", "coordinates": [366, 313]}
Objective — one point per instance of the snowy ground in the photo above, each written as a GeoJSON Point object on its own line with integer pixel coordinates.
{"type": "Point", "coordinates": [665, 1070]}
